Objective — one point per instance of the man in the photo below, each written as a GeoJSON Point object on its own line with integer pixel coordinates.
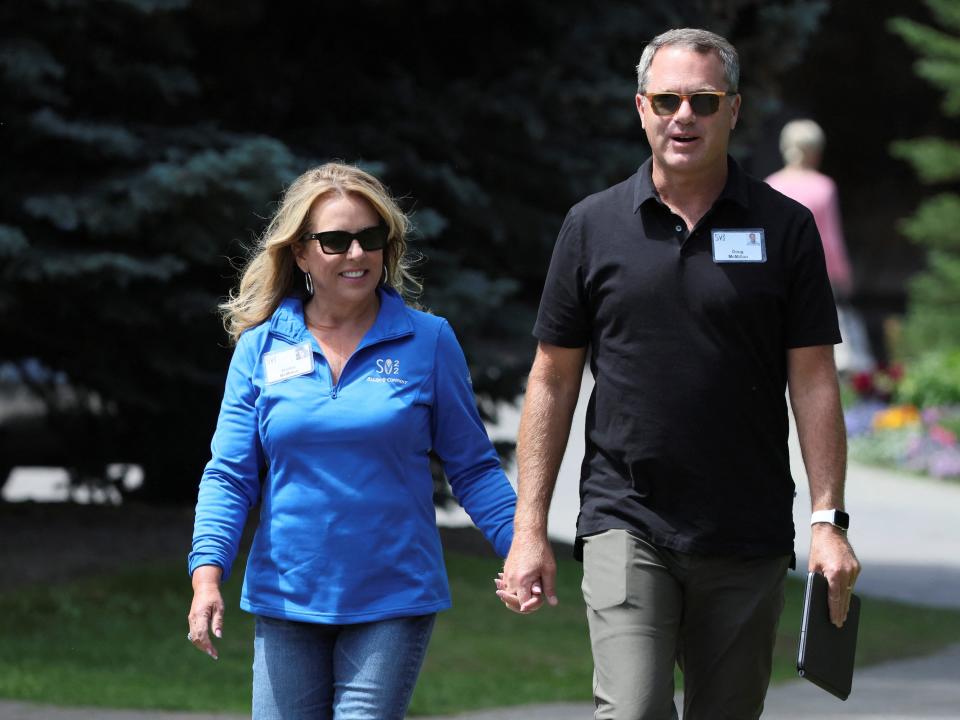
{"type": "Point", "coordinates": [686, 527]}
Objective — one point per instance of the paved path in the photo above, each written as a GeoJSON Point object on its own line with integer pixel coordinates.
{"type": "Point", "coordinates": [922, 688]}
{"type": "Point", "coordinates": [29, 711]}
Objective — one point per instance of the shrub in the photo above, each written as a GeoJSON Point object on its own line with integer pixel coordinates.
{"type": "Point", "coordinates": [932, 380]}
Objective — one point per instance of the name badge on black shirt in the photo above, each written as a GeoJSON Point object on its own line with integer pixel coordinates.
{"type": "Point", "coordinates": [739, 245]}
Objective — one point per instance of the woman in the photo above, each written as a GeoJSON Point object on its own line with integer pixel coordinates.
{"type": "Point", "coordinates": [336, 393]}
{"type": "Point", "coordinates": [801, 144]}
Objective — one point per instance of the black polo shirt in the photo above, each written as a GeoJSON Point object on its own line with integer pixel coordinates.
{"type": "Point", "coordinates": [686, 430]}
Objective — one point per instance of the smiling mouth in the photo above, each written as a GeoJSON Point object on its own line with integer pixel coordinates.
{"type": "Point", "coordinates": [353, 274]}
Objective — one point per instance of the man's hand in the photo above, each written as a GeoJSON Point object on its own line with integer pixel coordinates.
{"type": "Point", "coordinates": [529, 574]}
{"type": "Point", "coordinates": [832, 556]}
{"type": "Point", "coordinates": [815, 397]}
{"type": "Point", "coordinates": [553, 386]}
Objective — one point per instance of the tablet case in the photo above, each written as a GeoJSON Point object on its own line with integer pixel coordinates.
{"type": "Point", "coordinates": [826, 653]}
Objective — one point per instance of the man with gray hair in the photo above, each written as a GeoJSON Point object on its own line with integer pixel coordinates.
{"type": "Point", "coordinates": [701, 295]}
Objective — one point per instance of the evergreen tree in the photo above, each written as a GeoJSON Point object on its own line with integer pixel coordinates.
{"type": "Point", "coordinates": [119, 202]}
{"type": "Point", "coordinates": [933, 318]}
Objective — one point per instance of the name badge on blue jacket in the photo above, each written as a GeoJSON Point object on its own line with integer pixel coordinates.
{"type": "Point", "coordinates": [739, 245]}
{"type": "Point", "coordinates": [285, 364]}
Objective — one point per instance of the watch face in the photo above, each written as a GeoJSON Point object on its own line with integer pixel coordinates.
{"type": "Point", "coordinates": [841, 519]}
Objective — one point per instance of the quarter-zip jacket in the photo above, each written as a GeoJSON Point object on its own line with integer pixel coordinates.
{"type": "Point", "coordinates": [347, 527]}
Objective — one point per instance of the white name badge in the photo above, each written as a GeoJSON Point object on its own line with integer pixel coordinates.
{"type": "Point", "coordinates": [739, 245]}
{"type": "Point", "coordinates": [285, 364]}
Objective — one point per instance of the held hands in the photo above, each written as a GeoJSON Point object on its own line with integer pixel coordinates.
{"type": "Point", "coordinates": [511, 600]}
{"type": "Point", "coordinates": [529, 574]}
{"type": "Point", "coordinates": [206, 610]}
{"type": "Point", "coordinates": [832, 556]}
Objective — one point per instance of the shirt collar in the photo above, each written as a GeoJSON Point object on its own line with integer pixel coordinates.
{"type": "Point", "coordinates": [735, 189]}
{"type": "Point", "coordinates": [392, 320]}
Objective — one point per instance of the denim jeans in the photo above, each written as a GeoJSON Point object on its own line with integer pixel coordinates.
{"type": "Point", "coordinates": [308, 671]}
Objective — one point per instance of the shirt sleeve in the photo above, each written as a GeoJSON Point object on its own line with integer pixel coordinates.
{"type": "Point", "coordinates": [563, 318]}
{"type": "Point", "coordinates": [460, 439]}
{"type": "Point", "coordinates": [811, 311]}
{"type": "Point", "coordinates": [230, 484]}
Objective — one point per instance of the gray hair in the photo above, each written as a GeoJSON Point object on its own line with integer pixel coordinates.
{"type": "Point", "coordinates": [702, 41]}
{"type": "Point", "coordinates": [798, 138]}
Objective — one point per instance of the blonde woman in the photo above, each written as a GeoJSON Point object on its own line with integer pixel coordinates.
{"type": "Point", "coordinates": [336, 393]}
{"type": "Point", "coordinates": [801, 144]}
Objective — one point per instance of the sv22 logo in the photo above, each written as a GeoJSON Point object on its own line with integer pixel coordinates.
{"type": "Point", "coordinates": [388, 366]}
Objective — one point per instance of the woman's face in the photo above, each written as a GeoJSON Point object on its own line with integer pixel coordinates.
{"type": "Point", "coordinates": [349, 278]}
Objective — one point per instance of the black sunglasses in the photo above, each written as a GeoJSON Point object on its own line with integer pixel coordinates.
{"type": "Point", "coordinates": [337, 242]}
{"type": "Point", "coordinates": [704, 102]}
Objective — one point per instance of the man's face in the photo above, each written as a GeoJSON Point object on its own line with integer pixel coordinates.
{"type": "Point", "coordinates": [685, 142]}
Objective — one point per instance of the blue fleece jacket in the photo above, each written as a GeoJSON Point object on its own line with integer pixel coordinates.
{"type": "Point", "coordinates": [347, 527]}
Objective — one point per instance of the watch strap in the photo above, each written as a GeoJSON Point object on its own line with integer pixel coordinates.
{"type": "Point", "coordinates": [835, 517]}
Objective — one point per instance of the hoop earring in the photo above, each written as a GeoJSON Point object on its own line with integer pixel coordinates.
{"type": "Point", "coordinates": [308, 282]}
{"type": "Point", "coordinates": [386, 275]}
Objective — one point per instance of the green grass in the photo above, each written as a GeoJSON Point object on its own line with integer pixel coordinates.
{"type": "Point", "coordinates": [118, 641]}
{"type": "Point", "coordinates": [483, 655]}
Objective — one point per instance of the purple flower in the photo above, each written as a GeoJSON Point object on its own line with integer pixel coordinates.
{"type": "Point", "coordinates": [916, 445]}
{"type": "Point", "coordinates": [859, 417]}
{"type": "Point", "coordinates": [945, 463]}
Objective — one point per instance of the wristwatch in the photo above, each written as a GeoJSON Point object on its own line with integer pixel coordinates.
{"type": "Point", "coordinates": [837, 518]}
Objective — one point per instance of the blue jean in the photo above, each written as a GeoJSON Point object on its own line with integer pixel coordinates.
{"type": "Point", "coordinates": [308, 671]}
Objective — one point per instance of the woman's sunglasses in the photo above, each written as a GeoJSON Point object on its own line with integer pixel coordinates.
{"type": "Point", "coordinates": [702, 103]}
{"type": "Point", "coordinates": [337, 242]}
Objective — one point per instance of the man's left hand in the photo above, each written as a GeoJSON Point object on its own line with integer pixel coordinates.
{"type": "Point", "coordinates": [832, 556]}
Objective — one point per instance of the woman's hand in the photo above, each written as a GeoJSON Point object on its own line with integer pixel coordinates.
{"type": "Point", "coordinates": [206, 611]}
{"type": "Point", "coordinates": [510, 599]}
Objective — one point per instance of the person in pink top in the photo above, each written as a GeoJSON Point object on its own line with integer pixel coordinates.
{"type": "Point", "coordinates": [801, 144]}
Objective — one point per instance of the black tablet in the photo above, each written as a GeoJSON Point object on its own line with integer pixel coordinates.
{"type": "Point", "coordinates": [826, 653]}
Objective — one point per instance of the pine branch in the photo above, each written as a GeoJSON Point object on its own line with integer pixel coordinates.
{"type": "Point", "coordinates": [935, 160]}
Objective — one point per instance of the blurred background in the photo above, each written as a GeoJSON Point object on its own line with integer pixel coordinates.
{"type": "Point", "coordinates": [145, 144]}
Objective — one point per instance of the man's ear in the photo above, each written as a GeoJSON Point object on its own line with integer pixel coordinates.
{"type": "Point", "coordinates": [640, 99]}
{"type": "Point", "coordinates": [735, 111]}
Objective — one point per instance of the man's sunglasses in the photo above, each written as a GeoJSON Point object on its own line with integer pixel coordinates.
{"type": "Point", "coordinates": [702, 103]}
{"type": "Point", "coordinates": [337, 242]}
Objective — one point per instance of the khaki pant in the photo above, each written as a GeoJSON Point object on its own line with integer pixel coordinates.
{"type": "Point", "coordinates": [649, 608]}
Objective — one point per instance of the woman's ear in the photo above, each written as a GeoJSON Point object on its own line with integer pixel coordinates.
{"type": "Point", "coordinates": [387, 253]}
{"type": "Point", "coordinates": [298, 250]}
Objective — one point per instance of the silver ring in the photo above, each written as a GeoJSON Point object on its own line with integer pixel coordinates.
{"type": "Point", "coordinates": [189, 637]}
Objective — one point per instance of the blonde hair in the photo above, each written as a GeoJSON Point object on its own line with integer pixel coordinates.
{"type": "Point", "coordinates": [798, 138]}
{"type": "Point", "coordinates": [271, 272]}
